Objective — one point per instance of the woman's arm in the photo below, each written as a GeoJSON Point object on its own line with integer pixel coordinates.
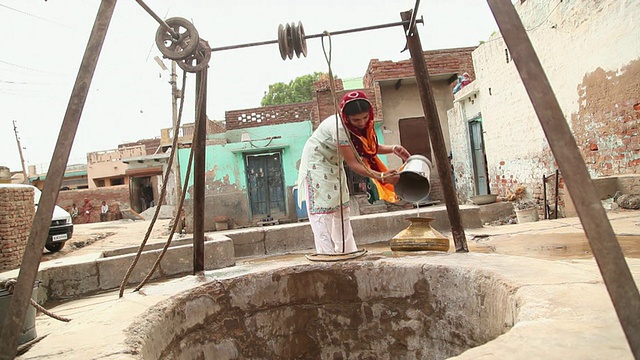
{"type": "Point", "coordinates": [398, 150]}
{"type": "Point", "coordinates": [348, 156]}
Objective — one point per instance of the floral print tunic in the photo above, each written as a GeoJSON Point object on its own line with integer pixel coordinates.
{"type": "Point", "coordinates": [319, 169]}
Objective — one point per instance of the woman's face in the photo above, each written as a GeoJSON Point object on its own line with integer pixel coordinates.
{"type": "Point", "coordinates": [359, 120]}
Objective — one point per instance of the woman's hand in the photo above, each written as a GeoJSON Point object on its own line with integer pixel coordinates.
{"type": "Point", "coordinates": [401, 152]}
{"type": "Point", "coordinates": [390, 177]}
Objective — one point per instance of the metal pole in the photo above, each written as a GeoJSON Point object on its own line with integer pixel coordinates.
{"type": "Point", "coordinates": [199, 148]}
{"type": "Point", "coordinates": [339, 32]}
{"type": "Point", "coordinates": [435, 133]}
{"type": "Point", "coordinates": [606, 249]}
{"type": "Point", "coordinates": [555, 206]}
{"type": "Point", "coordinates": [24, 170]}
{"type": "Point", "coordinates": [40, 228]}
{"type": "Point", "coordinates": [157, 18]}
{"type": "Point", "coordinates": [544, 197]}
{"type": "Point", "coordinates": [175, 94]}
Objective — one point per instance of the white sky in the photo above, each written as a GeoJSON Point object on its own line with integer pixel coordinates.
{"type": "Point", "coordinates": [130, 98]}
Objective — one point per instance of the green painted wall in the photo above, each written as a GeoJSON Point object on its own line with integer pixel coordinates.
{"type": "Point", "coordinates": [228, 160]}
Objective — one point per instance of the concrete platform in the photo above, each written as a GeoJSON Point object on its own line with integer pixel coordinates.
{"type": "Point", "coordinates": [482, 304]}
{"type": "Point", "coordinates": [488, 306]}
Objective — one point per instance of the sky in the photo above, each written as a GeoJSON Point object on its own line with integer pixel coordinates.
{"type": "Point", "coordinates": [130, 97]}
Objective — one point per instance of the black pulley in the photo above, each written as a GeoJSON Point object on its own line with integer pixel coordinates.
{"type": "Point", "coordinates": [184, 45]}
{"type": "Point", "coordinates": [289, 35]}
{"type": "Point", "coordinates": [291, 40]}
{"type": "Point", "coordinates": [198, 60]}
{"type": "Point", "coordinates": [299, 40]}
{"type": "Point", "coordinates": [282, 42]}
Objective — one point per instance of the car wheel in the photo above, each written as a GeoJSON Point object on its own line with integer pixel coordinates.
{"type": "Point", "coordinates": [54, 247]}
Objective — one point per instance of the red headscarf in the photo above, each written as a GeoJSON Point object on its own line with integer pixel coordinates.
{"type": "Point", "coordinates": [366, 143]}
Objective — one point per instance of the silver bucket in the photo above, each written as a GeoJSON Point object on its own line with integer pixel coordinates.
{"type": "Point", "coordinates": [414, 185]}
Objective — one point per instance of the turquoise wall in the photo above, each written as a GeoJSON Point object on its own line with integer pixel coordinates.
{"type": "Point", "coordinates": [228, 160]}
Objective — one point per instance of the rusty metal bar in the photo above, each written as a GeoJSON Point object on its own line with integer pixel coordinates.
{"type": "Point", "coordinates": [606, 249]}
{"type": "Point", "coordinates": [555, 195]}
{"type": "Point", "coordinates": [158, 19]}
{"type": "Point", "coordinates": [11, 329]}
{"type": "Point", "coordinates": [199, 159]}
{"type": "Point", "coordinates": [435, 133]}
{"type": "Point", "coordinates": [268, 42]}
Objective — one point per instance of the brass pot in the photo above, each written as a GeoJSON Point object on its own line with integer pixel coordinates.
{"type": "Point", "coordinates": [419, 236]}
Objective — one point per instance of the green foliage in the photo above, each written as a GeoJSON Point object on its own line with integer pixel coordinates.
{"type": "Point", "coordinates": [298, 90]}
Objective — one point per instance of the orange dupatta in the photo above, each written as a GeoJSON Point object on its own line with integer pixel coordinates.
{"type": "Point", "coordinates": [365, 143]}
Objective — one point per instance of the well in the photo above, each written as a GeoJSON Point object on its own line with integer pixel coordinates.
{"type": "Point", "coordinates": [361, 310]}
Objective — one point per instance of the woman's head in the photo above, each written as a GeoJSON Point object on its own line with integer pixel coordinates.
{"type": "Point", "coordinates": [356, 109]}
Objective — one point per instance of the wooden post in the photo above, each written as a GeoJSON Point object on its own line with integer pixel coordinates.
{"type": "Point", "coordinates": [12, 327]}
{"type": "Point", "coordinates": [606, 249]}
{"type": "Point", "coordinates": [435, 133]}
{"type": "Point", "coordinates": [199, 157]}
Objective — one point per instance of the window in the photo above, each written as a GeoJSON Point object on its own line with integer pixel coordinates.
{"type": "Point", "coordinates": [117, 181]}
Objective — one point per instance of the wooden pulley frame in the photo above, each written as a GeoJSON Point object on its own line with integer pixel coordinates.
{"type": "Point", "coordinates": [291, 39]}
{"type": "Point", "coordinates": [198, 60]}
{"type": "Point", "coordinates": [182, 47]}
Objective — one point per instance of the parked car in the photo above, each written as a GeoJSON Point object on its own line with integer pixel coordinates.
{"type": "Point", "coordinates": [61, 228]}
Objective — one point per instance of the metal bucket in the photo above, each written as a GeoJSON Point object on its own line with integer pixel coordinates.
{"type": "Point", "coordinates": [28, 331]}
{"type": "Point", "coordinates": [414, 185]}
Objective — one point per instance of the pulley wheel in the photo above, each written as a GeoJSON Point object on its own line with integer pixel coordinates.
{"type": "Point", "coordinates": [282, 42]}
{"type": "Point", "coordinates": [198, 60]}
{"type": "Point", "coordinates": [299, 40]}
{"type": "Point", "coordinates": [184, 45]}
{"type": "Point", "coordinates": [289, 37]}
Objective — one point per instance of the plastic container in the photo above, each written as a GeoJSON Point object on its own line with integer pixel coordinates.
{"type": "Point", "coordinates": [301, 213]}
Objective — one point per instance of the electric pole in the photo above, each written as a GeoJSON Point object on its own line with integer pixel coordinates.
{"type": "Point", "coordinates": [24, 169]}
{"type": "Point", "coordinates": [175, 168]}
{"type": "Point", "coordinates": [175, 94]}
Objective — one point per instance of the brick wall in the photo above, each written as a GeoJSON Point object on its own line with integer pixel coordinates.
{"type": "Point", "coordinates": [325, 106]}
{"type": "Point", "coordinates": [591, 61]}
{"type": "Point", "coordinates": [150, 145]}
{"type": "Point", "coordinates": [117, 197]}
{"type": "Point", "coordinates": [268, 115]}
{"type": "Point", "coordinates": [438, 62]}
{"type": "Point", "coordinates": [16, 214]}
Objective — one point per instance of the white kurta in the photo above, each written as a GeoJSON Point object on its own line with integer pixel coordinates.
{"type": "Point", "coordinates": [319, 169]}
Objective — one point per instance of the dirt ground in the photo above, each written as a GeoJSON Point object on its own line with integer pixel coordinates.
{"type": "Point", "coordinates": [109, 235]}
{"type": "Point", "coordinates": [548, 239]}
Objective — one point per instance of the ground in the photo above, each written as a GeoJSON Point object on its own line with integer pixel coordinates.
{"type": "Point", "coordinates": [109, 235]}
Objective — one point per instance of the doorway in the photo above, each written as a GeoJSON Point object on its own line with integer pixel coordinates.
{"type": "Point", "coordinates": [478, 156]}
{"type": "Point", "coordinates": [414, 136]}
{"type": "Point", "coordinates": [265, 185]}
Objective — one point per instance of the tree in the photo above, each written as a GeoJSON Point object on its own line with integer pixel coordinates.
{"type": "Point", "coordinates": [298, 90]}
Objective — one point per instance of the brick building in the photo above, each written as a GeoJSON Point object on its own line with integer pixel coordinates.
{"type": "Point", "coordinates": [591, 60]}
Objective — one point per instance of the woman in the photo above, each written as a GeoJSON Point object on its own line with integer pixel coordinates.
{"type": "Point", "coordinates": [319, 169]}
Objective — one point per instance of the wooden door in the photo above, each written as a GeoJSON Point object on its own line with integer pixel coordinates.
{"type": "Point", "coordinates": [265, 184]}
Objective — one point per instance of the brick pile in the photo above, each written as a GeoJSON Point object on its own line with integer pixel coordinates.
{"type": "Point", "coordinates": [16, 215]}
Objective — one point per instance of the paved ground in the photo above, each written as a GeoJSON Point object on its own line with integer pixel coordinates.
{"type": "Point", "coordinates": [102, 236]}
{"type": "Point", "coordinates": [561, 241]}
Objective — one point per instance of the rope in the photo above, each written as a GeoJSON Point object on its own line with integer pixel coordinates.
{"type": "Point", "coordinates": [10, 285]}
{"type": "Point", "coordinates": [179, 213]}
{"type": "Point", "coordinates": [163, 193]}
{"type": "Point", "coordinates": [332, 85]}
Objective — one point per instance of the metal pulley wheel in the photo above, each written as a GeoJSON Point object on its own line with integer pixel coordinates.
{"type": "Point", "coordinates": [198, 60]}
{"type": "Point", "coordinates": [289, 35]}
{"type": "Point", "coordinates": [291, 39]}
{"type": "Point", "coordinates": [299, 41]}
{"type": "Point", "coordinates": [182, 47]}
{"type": "Point", "coordinates": [282, 42]}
